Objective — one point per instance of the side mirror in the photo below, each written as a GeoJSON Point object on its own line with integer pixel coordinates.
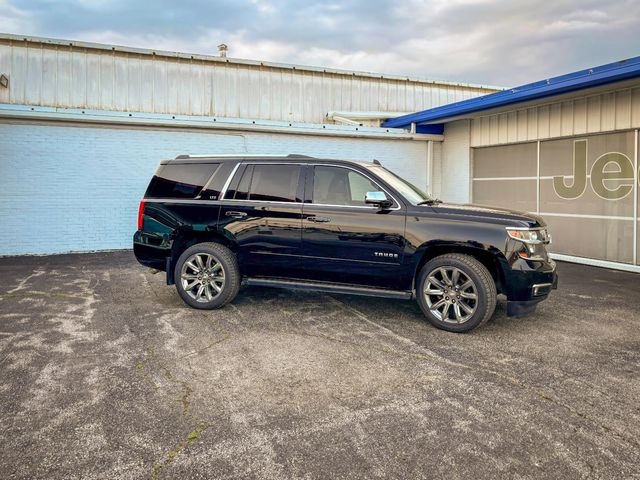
{"type": "Point", "coordinates": [377, 198]}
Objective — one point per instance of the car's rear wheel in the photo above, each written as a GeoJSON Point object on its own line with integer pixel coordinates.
{"type": "Point", "coordinates": [456, 292]}
{"type": "Point", "coordinates": [207, 276]}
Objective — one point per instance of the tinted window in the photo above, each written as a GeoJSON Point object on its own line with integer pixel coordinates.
{"type": "Point", "coordinates": [216, 183]}
{"type": "Point", "coordinates": [340, 186]}
{"type": "Point", "coordinates": [407, 190]}
{"type": "Point", "coordinates": [180, 180]}
{"type": "Point", "coordinates": [274, 183]}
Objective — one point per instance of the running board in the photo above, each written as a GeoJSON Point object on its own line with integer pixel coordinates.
{"type": "Point", "coordinates": [329, 288]}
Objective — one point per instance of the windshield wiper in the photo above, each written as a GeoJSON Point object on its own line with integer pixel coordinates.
{"type": "Point", "coordinates": [431, 201]}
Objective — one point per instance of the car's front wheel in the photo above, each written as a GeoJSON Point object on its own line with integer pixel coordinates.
{"type": "Point", "coordinates": [456, 292]}
{"type": "Point", "coordinates": [207, 276]}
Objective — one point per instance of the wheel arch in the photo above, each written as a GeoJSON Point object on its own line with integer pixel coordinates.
{"type": "Point", "coordinates": [186, 238]}
{"type": "Point", "coordinates": [490, 257]}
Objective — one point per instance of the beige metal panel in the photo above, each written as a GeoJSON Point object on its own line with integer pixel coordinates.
{"type": "Point", "coordinates": [146, 83]}
{"type": "Point", "coordinates": [160, 87]}
{"type": "Point", "coordinates": [134, 86]}
{"type": "Point", "coordinates": [307, 101]}
{"type": "Point", "coordinates": [532, 124]}
{"type": "Point", "coordinates": [485, 126]}
{"type": "Point", "coordinates": [49, 76]}
{"type": "Point", "coordinates": [93, 81]}
{"type": "Point", "coordinates": [262, 85]}
{"type": "Point", "coordinates": [297, 94]}
{"type": "Point", "coordinates": [18, 75]}
{"type": "Point", "coordinates": [184, 86]}
{"type": "Point", "coordinates": [555, 120]}
{"type": "Point", "coordinates": [566, 118]}
{"type": "Point", "coordinates": [635, 107]}
{"type": "Point", "coordinates": [63, 78]}
{"type": "Point", "coordinates": [207, 96]}
{"type": "Point", "coordinates": [218, 96]}
{"type": "Point", "coordinates": [255, 93]}
{"type": "Point", "coordinates": [512, 127]}
{"type": "Point", "coordinates": [544, 126]}
{"type": "Point", "coordinates": [276, 102]}
{"type": "Point", "coordinates": [78, 79]}
{"type": "Point", "coordinates": [580, 116]}
{"type": "Point", "coordinates": [93, 76]}
{"type": "Point", "coordinates": [120, 83]}
{"type": "Point", "coordinates": [107, 76]}
{"type": "Point", "coordinates": [427, 100]}
{"type": "Point", "coordinates": [608, 112]}
{"type": "Point", "coordinates": [521, 128]}
{"type": "Point", "coordinates": [493, 130]}
{"type": "Point", "coordinates": [595, 113]}
{"type": "Point", "coordinates": [32, 92]}
{"type": "Point", "coordinates": [503, 128]}
{"type": "Point", "coordinates": [623, 109]}
{"type": "Point", "coordinates": [394, 99]}
{"type": "Point", "coordinates": [5, 67]}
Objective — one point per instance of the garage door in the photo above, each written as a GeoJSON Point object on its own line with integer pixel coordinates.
{"type": "Point", "coordinates": [586, 188]}
{"type": "Point", "coordinates": [74, 187]}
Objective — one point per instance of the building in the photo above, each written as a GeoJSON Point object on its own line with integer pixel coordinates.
{"type": "Point", "coordinates": [566, 148]}
{"type": "Point", "coordinates": [83, 127]}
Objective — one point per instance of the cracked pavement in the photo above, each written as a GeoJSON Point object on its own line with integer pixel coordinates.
{"type": "Point", "coordinates": [105, 373]}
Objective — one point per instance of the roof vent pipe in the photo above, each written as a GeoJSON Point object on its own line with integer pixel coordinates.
{"type": "Point", "coordinates": [222, 50]}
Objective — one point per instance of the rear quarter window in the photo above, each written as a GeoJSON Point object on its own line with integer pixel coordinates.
{"type": "Point", "coordinates": [184, 180]}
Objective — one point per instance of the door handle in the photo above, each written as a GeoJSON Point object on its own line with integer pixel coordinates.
{"type": "Point", "coordinates": [319, 219]}
{"type": "Point", "coordinates": [236, 214]}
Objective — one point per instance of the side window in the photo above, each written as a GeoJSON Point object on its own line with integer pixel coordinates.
{"type": "Point", "coordinates": [180, 180]}
{"type": "Point", "coordinates": [340, 186]}
{"type": "Point", "coordinates": [274, 183]}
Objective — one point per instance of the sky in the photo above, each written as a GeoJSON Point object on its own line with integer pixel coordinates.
{"type": "Point", "coordinates": [488, 42]}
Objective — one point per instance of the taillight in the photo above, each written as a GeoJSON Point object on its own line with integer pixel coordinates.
{"type": "Point", "coordinates": [140, 214]}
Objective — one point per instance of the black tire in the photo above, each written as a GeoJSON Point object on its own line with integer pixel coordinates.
{"type": "Point", "coordinates": [209, 298]}
{"type": "Point", "coordinates": [469, 312]}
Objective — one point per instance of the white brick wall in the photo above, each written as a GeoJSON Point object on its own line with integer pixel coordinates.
{"type": "Point", "coordinates": [70, 187]}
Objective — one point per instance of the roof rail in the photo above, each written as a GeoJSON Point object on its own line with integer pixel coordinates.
{"type": "Point", "coordinates": [241, 155]}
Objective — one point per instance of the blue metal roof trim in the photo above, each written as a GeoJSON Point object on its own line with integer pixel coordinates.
{"type": "Point", "coordinates": [591, 77]}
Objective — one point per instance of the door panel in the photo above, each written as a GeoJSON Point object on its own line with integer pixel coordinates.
{"type": "Point", "coordinates": [355, 245]}
{"type": "Point", "coordinates": [268, 233]}
{"type": "Point", "coordinates": [350, 242]}
{"type": "Point", "coordinates": [268, 236]}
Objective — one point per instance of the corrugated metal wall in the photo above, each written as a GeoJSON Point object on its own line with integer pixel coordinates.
{"type": "Point", "coordinates": [604, 112]}
{"type": "Point", "coordinates": [58, 74]}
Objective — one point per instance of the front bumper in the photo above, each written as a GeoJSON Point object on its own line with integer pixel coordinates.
{"type": "Point", "coordinates": [529, 285]}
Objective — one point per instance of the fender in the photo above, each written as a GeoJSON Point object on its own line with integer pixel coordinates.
{"type": "Point", "coordinates": [490, 256]}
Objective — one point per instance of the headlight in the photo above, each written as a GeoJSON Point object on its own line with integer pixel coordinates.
{"type": "Point", "coordinates": [531, 236]}
{"type": "Point", "coordinates": [532, 242]}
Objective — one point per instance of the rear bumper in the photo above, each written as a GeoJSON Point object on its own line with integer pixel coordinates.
{"type": "Point", "coordinates": [148, 254]}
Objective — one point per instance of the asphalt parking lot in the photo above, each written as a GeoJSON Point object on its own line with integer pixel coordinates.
{"type": "Point", "coordinates": [105, 373]}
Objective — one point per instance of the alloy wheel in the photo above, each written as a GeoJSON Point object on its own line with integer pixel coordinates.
{"type": "Point", "coordinates": [450, 294]}
{"type": "Point", "coordinates": [202, 276]}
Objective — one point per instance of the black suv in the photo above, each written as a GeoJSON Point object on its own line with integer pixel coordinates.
{"type": "Point", "coordinates": [216, 222]}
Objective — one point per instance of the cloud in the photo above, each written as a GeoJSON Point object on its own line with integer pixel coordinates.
{"type": "Point", "coordinates": [12, 18]}
{"type": "Point", "coordinates": [478, 41]}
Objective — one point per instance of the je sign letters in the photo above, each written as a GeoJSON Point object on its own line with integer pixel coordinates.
{"type": "Point", "coordinates": [611, 177]}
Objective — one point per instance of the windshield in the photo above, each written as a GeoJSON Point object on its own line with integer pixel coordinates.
{"type": "Point", "coordinates": [410, 192]}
